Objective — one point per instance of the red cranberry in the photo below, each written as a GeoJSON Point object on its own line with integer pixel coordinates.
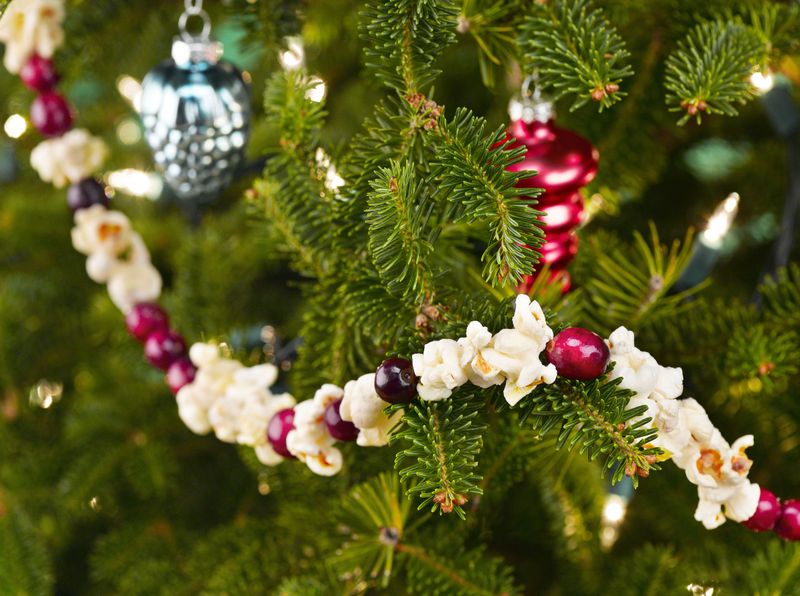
{"type": "Point", "coordinates": [767, 512]}
{"type": "Point", "coordinates": [277, 430]}
{"type": "Point", "coordinates": [86, 193]}
{"type": "Point", "coordinates": [51, 114]}
{"type": "Point", "coordinates": [395, 381]}
{"type": "Point", "coordinates": [180, 373]}
{"type": "Point", "coordinates": [578, 353]}
{"type": "Point", "coordinates": [339, 429]}
{"type": "Point", "coordinates": [163, 347]}
{"type": "Point", "coordinates": [39, 74]}
{"type": "Point", "coordinates": [788, 524]}
{"type": "Point", "coordinates": [145, 318]}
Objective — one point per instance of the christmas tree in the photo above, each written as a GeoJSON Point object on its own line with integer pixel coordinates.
{"type": "Point", "coordinates": [385, 218]}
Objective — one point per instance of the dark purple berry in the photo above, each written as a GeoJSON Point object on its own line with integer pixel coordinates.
{"type": "Point", "coordinates": [163, 347]}
{"type": "Point", "coordinates": [339, 429]}
{"type": "Point", "coordinates": [86, 193]}
{"type": "Point", "coordinates": [38, 74]}
{"type": "Point", "coordinates": [278, 429]}
{"type": "Point", "coordinates": [578, 353]}
{"type": "Point", "coordinates": [788, 524]}
{"type": "Point", "coordinates": [145, 318]}
{"type": "Point", "coordinates": [395, 381]}
{"type": "Point", "coordinates": [51, 114]}
{"type": "Point", "coordinates": [767, 513]}
{"type": "Point", "coordinates": [180, 373]}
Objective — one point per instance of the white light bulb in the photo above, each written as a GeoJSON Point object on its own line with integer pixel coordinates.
{"type": "Point", "coordinates": [130, 89]}
{"type": "Point", "coordinates": [136, 183]}
{"type": "Point", "coordinates": [720, 221]}
{"type": "Point", "coordinates": [294, 57]}
{"type": "Point", "coordinates": [316, 92]}
{"type": "Point", "coordinates": [762, 81]}
{"type": "Point", "coordinates": [15, 126]}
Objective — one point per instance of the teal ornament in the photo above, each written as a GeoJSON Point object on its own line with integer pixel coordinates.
{"type": "Point", "coordinates": [195, 109]}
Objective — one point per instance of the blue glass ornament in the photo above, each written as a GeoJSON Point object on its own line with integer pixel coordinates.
{"type": "Point", "coordinates": [195, 109]}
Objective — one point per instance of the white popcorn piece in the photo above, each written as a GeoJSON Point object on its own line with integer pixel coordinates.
{"type": "Point", "coordinates": [362, 406]}
{"type": "Point", "coordinates": [30, 27]}
{"type": "Point", "coordinates": [309, 441]}
{"type": "Point", "coordinates": [132, 283]}
{"type": "Point", "coordinates": [69, 158]}
{"type": "Point", "coordinates": [479, 372]}
{"type": "Point", "coordinates": [100, 230]}
{"type": "Point", "coordinates": [194, 401]}
{"type": "Point", "coordinates": [639, 370]}
{"type": "Point", "coordinates": [439, 370]}
{"type": "Point", "coordinates": [516, 353]}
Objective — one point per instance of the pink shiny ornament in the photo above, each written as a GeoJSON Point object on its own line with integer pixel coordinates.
{"type": "Point", "coordinates": [565, 162]}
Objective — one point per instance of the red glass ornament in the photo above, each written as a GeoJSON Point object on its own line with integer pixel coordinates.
{"type": "Point", "coordinates": [565, 162]}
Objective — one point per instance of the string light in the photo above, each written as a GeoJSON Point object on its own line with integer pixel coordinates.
{"type": "Point", "coordinates": [762, 81]}
{"type": "Point", "coordinates": [720, 221]}
{"type": "Point", "coordinates": [136, 183]}
{"type": "Point", "coordinates": [614, 509]}
{"type": "Point", "coordinates": [316, 92]}
{"type": "Point", "coordinates": [294, 57]}
{"type": "Point", "coordinates": [15, 126]}
{"type": "Point", "coordinates": [129, 132]}
{"type": "Point", "coordinates": [130, 89]}
{"type": "Point", "coordinates": [45, 394]}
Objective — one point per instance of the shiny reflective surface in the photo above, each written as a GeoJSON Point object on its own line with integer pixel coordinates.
{"type": "Point", "coordinates": [196, 117]}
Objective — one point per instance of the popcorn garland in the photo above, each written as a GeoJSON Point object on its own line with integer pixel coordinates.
{"type": "Point", "coordinates": [216, 393]}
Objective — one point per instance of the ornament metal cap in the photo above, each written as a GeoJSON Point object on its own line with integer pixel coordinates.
{"type": "Point", "coordinates": [195, 50]}
{"type": "Point", "coordinates": [530, 105]}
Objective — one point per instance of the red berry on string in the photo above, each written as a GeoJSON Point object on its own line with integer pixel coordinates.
{"type": "Point", "coordinates": [145, 318]}
{"type": "Point", "coordinates": [339, 429]}
{"type": "Point", "coordinates": [578, 353]}
{"type": "Point", "coordinates": [180, 373]}
{"type": "Point", "coordinates": [163, 347]}
{"type": "Point", "coordinates": [278, 429]}
{"type": "Point", "coordinates": [39, 74]}
{"type": "Point", "coordinates": [51, 114]}
{"type": "Point", "coordinates": [86, 193]}
{"type": "Point", "coordinates": [788, 524]}
{"type": "Point", "coordinates": [395, 381]}
{"type": "Point", "coordinates": [767, 512]}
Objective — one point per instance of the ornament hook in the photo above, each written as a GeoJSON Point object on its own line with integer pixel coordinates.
{"type": "Point", "coordinates": [194, 8]}
{"type": "Point", "coordinates": [531, 104]}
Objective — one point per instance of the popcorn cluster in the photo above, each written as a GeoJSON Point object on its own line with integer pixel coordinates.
{"type": "Point", "coordinates": [232, 400]}
{"type": "Point", "coordinates": [687, 435]}
{"type": "Point", "coordinates": [511, 356]}
{"type": "Point", "coordinates": [117, 256]}
{"type": "Point", "coordinates": [70, 158]}
{"type": "Point", "coordinates": [31, 27]}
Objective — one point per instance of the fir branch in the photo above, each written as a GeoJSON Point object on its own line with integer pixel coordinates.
{"type": "Point", "coordinates": [775, 570]}
{"type": "Point", "coordinates": [781, 295]}
{"type": "Point", "coordinates": [469, 573]}
{"type": "Point", "coordinates": [631, 287]}
{"type": "Point", "coordinates": [293, 192]}
{"type": "Point", "coordinates": [405, 38]}
{"type": "Point", "coordinates": [375, 513]}
{"type": "Point", "coordinates": [445, 440]}
{"type": "Point", "coordinates": [572, 47]}
{"type": "Point", "coordinates": [398, 239]}
{"type": "Point", "coordinates": [474, 178]}
{"type": "Point", "coordinates": [709, 70]}
{"type": "Point", "coordinates": [491, 23]}
{"type": "Point", "coordinates": [594, 416]}
{"type": "Point", "coordinates": [25, 567]}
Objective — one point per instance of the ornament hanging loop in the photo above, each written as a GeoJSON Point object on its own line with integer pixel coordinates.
{"type": "Point", "coordinates": [194, 8]}
{"type": "Point", "coordinates": [531, 105]}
